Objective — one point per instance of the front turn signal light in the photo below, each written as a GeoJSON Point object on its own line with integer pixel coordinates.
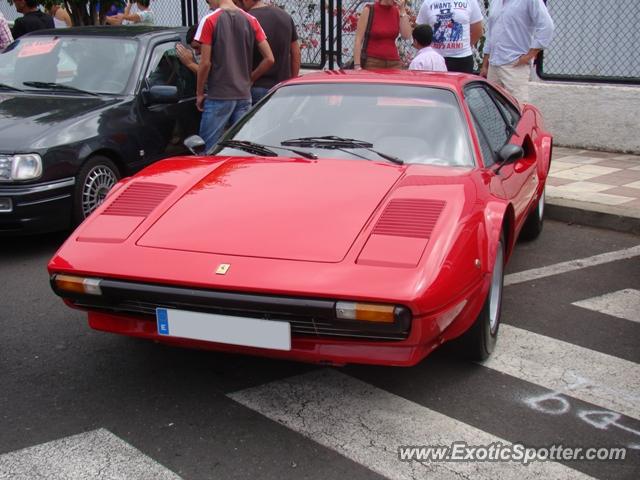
{"type": "Point", "coordinates": [366, 312]}
{"type": "Point", "coordinates": [77, 285]}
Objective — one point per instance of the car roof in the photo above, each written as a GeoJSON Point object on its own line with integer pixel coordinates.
{"type": "Point", "coordinates": [453, 81]}
{"type": "Point", "coordinates": [119, 31]}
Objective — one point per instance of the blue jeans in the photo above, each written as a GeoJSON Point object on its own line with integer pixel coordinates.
{"type": "Point", "coordinates": [258, 93]}
{"type": "Point", "coordinates": [216, 115]}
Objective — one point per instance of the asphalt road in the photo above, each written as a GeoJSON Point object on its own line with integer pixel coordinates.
{"type": "Point", "coordinates": [75, 403]}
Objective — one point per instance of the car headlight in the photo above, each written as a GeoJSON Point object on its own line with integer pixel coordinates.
{"type": "Point", "coordinates": [20, 167]}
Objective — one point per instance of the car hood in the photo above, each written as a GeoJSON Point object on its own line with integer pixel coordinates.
{"type": "Point", "coordinates": [275, 208]}
{"type": "Point", "coordinates": [26, 120]}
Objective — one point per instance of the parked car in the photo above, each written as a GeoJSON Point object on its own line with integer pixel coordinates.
{"type": "Point", "coordinates": [79, 109]}
{"type": "Point", "coordinates": [349, 217]}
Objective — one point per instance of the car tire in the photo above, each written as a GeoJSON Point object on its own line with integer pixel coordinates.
{"type": "Point", "coordinates": [535, 221]}
{"type": "Point", "coordinates": [480, 340]}
{"type": "Point", "coordinates": [94, 180]}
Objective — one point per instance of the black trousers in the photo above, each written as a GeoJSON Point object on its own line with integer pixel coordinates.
{"type": "Point", "coordinates": [462, 64]}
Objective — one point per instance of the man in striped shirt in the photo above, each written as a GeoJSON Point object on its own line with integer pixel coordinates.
{"type": "Point", "coordinates": [228, 35]}
{"type": "Point", "coordinates": [5, 33]}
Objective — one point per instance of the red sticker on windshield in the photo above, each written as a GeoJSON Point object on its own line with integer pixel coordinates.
{"type": "Point", "coordinates": [38, 47]}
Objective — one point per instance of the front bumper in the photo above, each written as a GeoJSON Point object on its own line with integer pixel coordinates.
{"type": "Point", "coordinates": [36, 208]}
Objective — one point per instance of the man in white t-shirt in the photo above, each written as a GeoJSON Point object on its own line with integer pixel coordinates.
{"type": "Point", "coordinates": [457, 27]}
{"type": "Point", "coordinates": [427, 58]}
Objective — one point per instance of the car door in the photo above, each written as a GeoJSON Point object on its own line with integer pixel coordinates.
{"type": "Point", "coordinates": [498, 122]}
{"type": "Point", "coordinates": [165, 126]}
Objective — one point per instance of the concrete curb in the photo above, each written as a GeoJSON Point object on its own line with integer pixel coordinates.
{"type": "Point", "coordinates": [616, 218]}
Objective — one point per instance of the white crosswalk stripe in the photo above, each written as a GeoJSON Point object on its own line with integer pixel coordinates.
{"type": "Point", "coordinates": [97, 454]}
{"type": "Point", "coordinates": [594, 377]}
{"type": "Point", "coordinates": [571, 265]}
{"type": "Point", "coordinates": [367, 424]}
{"type": "Point", "coordinates": [622, 304]}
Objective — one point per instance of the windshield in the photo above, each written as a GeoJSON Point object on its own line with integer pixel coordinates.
{"type": "Point", "coordinates": [92, 64]}
{"type": "Point", "coordinates": [415, 124]}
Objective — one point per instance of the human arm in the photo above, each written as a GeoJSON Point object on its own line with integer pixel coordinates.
{"type": "Point", "coordinates": [267, 60]}
{"type": "Point", "coordinates": [542, 34]}
{"type": "Point", "coordinates": [405, 24]}
{"type": "Point", "coordinates": [296, 59]}
{"type": "Point", "coordinates": [203, 75]}
{"type": "Point", "coordinates": [361, 28]}
{"type": "Point", "coordinates": [186, 58]}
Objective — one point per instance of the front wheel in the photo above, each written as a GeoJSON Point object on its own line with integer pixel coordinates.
{"type": "Point", "coordinates": [480, 340]}
{"type": "Point", "coordinates": [95, 179]}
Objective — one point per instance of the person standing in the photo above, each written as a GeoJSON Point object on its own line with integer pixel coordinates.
{"type": "Point", "coordinates": [135, 13]}
{"type": "Point", "coordinates": [32, 19]}
{"type": "Point", "coordinates": [427, 58]}
{"type": "Point", "coordinates": [457, 27]}
{"type": "Point", "coordinates": [5, 33]}
{"type": "Point", "coordinates": [517, 31]}
{"type": "Point", "coordinates": [390, 19]}
{"type": "Point", "coordinates": [228, 36]}
{"type": "Point", "coordinates": [283, 40]}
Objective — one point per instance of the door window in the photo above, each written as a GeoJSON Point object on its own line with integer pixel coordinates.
{"type": "Point", "coordinates": [489, 123]}
{"type": "Point", "coordinates": [166, 69]}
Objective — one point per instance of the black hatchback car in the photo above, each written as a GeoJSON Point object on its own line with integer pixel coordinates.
{"type": "Point", "coordinates": [79, 109]}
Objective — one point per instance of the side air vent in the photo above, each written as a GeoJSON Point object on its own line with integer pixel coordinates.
{"type": "Point", "coordinates": [139, 199]}
{"type": "Point", "coordinates": [408, 217]}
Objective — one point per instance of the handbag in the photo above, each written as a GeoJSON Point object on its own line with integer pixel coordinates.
{"type": "Point", "coordinates": [365, 42]}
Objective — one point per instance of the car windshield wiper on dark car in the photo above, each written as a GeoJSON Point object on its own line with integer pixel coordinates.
{"type": "Point", "coordinates": [266, 150]}
{"type": "Point", "coordinates": [58, 86]}
{"type": "Point", "coordinates": [10, 87]}
{"type": "Point", "coordinates": [338, 143]}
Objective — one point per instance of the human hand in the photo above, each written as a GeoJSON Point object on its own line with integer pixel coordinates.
{"type": "Point", "coordinates": [183, 53]}
{"type": "Point", "coordinates": [200, 102]}
{"type": "Point", "coordinates": [524, 60]}
{"type": "Point", "coordinates": [401, 4]}
{"type": "Point", "coordinates": [484, 70]}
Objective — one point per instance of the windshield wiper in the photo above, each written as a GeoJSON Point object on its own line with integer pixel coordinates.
{"type": "Point", "coordinates": [58, 86]}
{"type": "Point", "coordinates": [339, 143]}
{"type": "Point", "coordinates": [265, 150]}
{"type": "Point", "coordinates": [10, 87]}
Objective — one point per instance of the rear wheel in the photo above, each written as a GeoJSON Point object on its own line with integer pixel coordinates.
{"type": "Point", "coordinates": [534, 223]}
{"type": "Point", "coordinates": [480, 340]}
{"type": "Point", "coordinates": [95, 179]}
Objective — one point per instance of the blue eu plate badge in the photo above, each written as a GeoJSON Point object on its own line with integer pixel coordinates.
{"type": "Point", "coordinates": [163, 321]}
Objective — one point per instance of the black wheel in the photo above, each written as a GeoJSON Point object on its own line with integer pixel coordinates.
{"type": "Point", "coordinates": [535, 221]}
{"type": "Point", "coordinates": [94, 180]}
{"type": "Point", "coordinates": [479, 341]}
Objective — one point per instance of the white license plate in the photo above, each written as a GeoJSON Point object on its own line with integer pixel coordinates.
{"type": "Point", "coordinates": [211, 327]}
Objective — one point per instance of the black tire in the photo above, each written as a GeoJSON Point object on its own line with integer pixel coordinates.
{"type": "Point", "coordinates": [94, 180]}
{"type": "Point", "coordinates": [480, 340]}
{"type": "Point", "coordinates": [535, 221]}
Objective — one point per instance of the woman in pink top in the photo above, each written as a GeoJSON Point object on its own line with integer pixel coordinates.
{"type": "Point", "coordinates": [389, 19]}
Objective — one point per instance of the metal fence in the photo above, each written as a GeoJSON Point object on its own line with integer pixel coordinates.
{"type": "Point", "coordinates": [594, 40]}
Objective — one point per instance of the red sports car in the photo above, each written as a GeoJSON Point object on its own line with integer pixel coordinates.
{"type": "Point", "coordinates": [350, 217]}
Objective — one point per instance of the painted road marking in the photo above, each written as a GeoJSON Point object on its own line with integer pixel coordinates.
{"type": "Point", "coordinates": [98, 454]}
{"type": "Point", "coordinates": [570, 266]}
{"type": "Point", "coordinates": [622, 304]}
{"type": "Point", "coordinates": [367, 425]}
{"type": "Point", "coordinates": [594, 377]}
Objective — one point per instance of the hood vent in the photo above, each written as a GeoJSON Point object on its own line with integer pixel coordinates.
{"type": "Point", "coordinates": [139, 199]}
{"type": "Point", "coordinates": [408, 217]}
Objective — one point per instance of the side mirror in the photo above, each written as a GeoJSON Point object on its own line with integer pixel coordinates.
{"type": "Point", "coordinates": [510, 153]}
{"type": "Point", "coordinates": [160, 94]}
{"type": "Point", "coordinates": [195, 144]}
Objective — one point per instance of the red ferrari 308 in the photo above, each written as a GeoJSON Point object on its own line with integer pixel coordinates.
{"type": "Point", "coordinates": [350, 217]}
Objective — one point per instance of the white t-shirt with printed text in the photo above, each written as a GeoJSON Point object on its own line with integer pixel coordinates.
{"type": "Point", "coordinates": [450, 20]}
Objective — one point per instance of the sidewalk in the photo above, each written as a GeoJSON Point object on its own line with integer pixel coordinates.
{"type": "Point", "coordinates": [600, 189]}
